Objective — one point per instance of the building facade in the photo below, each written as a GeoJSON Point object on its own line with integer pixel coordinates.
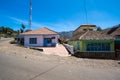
{"type": "Point", "coordinates": [43, 37]}
{"type": "Point", "coordinates": [99, 44]}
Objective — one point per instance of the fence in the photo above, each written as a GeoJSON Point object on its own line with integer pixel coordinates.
{"type": "Point", "coordinates": [102, 55]}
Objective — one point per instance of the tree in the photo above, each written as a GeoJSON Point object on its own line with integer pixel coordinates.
{"type": "Point", "coordinates": [7, 31]}
{"type": "Point", "coordinates": [2, 29]}
{"type": "Point", "coordinates": [18, 32]}
{"type": "Point", "coordinates": [99, 28]}
{"type": "Point", "coordinates": [22, 28]}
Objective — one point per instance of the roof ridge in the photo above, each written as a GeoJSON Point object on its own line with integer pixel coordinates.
{"type": "Point", "coordinates": [85, 25]}
{"type": "Point", "coordinates": [84, 34]}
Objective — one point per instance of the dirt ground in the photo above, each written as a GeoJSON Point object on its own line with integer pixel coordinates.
{"type": "Point", "coordinates": [14, 49]}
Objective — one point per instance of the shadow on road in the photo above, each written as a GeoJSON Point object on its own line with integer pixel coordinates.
{"type": "Point", "coordinates": [118, 62]}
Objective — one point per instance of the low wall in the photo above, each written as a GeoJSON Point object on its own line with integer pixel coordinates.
{"type": "Point", "coordinates": [69, 48]}
{"type": "Point", "coordinates": [103, 55]}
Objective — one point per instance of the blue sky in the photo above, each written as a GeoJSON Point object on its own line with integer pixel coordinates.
{"type": "Point", "coordinates": [59, 15]}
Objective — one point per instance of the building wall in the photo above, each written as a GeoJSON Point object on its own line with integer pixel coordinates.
{"type": "Point", "coordinates": [83, 44]}
{"type": "Point", "coordinates": [74, 44]}
{"type": "Point", "coordinates": [96, 54]}
{"type": "Point", "coordinates": [40, 39]}
{"type": "Point", "coordinates": [53, 40]}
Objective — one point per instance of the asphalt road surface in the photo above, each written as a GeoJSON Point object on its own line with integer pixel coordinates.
{"type": "Point", "coordinates": [6, 39]}
{"type": "Point", "coordinates": [13, 67]}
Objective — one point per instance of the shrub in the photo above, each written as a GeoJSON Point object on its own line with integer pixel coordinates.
{"type": "Point", "coordinates": [12, 42]}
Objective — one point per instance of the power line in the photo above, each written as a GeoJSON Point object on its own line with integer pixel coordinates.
{"type": "Point", "coordinates": [85, 8]}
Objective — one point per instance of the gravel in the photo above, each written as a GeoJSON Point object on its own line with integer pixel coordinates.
{"type": "Point", "coordinates": [27, 53]}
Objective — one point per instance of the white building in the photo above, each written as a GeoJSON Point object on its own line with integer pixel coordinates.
{"type": "Point", "coordinates": [41, 37]}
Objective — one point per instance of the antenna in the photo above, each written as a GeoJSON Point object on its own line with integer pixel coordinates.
{"type": "Point", "coordinates": [86, 16]}
{"type": "Point", "coordinates": [30, 15]}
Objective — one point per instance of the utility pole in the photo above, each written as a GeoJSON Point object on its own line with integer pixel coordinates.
{"type": "Point", "coordinates": [30, 15]}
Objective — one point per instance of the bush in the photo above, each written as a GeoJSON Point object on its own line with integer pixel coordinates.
{"type": "Point", "coordinates": [12, 42]}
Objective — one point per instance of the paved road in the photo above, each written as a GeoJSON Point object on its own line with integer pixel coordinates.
{"type": "Point", "coordinates": [6, 39]}
{"type": "Point", "coordinates": [14, 67]}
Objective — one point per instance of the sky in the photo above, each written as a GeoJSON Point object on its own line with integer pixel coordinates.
{"type": "Point", "coordinates": [59, 15]}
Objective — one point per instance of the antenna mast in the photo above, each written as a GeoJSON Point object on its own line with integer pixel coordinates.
{"type": "Point", "coordinates": [30, 15]}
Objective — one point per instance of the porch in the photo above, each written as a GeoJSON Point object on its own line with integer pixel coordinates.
{"type": "Point", "coordinates": [59, 50]}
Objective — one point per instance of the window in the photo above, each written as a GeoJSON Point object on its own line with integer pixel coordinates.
{"type": "Point", "coordinates": [90, 29]}
{"type": "Point", "coordinates": [98, 47]}
{"type": "Point", "coordinates": [33, 41]}
{"type": "Point", "coordinates": [84, 29]}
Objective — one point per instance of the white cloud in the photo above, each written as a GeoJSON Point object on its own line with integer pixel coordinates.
{"type": "Point", "coordinates": [59, 26]}
{"type": "Point", "coordinates": [20, 21]}
{"type": "Point", "coordinates": [16, 20]}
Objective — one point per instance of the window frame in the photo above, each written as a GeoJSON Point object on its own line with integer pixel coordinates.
{"type": "Point", "coordinates": [32, 40]}
{"type": "Point", "coordinates": [98, 47]}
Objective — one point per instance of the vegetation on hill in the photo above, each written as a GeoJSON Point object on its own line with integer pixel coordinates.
{"type": "Point", "coordinates": [7, 32]}
{"type": "Point", "coordinates": [99, 28]}
{"type": "Point", "coordinates": [66, 34]}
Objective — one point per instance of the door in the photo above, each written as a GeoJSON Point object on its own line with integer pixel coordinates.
{"type": "Point", "coordinates": [47, 41]}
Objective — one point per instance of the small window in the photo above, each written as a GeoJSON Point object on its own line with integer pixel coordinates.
{"type": "Point", "coordinates": [33, 41]}
{"type": "Point", "coordinates": [84, 29]}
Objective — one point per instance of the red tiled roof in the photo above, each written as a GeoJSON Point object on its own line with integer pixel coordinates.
{"type": "Point", "coordinates": [40, 31]}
